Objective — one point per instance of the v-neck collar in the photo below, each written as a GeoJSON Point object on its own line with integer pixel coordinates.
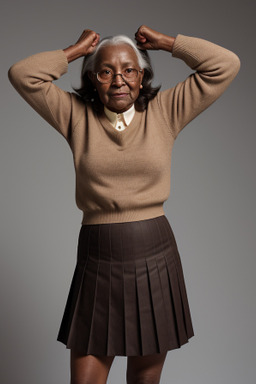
{"type": "Point", "coordinates": [125, 137]}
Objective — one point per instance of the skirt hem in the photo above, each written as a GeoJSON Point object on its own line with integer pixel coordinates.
{"type": "Point", "coordinates": [83, 353]}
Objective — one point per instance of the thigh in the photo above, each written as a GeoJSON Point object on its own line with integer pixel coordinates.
{"type": "Point", "coordinates": [145, 369]}
{"type": "Point", "coordinates": [89, 369]}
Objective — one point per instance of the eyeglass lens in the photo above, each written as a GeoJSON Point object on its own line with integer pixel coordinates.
{"type": "Point", "coordinates": [106, 76]}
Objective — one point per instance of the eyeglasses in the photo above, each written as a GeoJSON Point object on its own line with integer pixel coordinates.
{"type": "Point", "coordinates": [107, 75]}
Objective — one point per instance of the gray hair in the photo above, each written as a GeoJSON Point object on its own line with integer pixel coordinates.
{"type": "Point", "coordinates": [114, 40]}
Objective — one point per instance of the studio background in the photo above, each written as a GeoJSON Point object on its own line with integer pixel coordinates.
{"type": "Point", "coordinates": [211, 207]}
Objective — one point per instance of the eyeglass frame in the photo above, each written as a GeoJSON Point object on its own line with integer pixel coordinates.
{"type": "Point", "coordinates": [117, 74]}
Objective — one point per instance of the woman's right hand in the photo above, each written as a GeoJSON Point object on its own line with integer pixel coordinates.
{"type": "Point", "coordinates": [148, 38]}
{"type": "Point", "coordinates": [85, 45]}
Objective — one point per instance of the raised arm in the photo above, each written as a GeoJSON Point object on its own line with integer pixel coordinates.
{"type": "Point", "coordinates": [33, 78]}
{"type": "Point", "coordinates": [215, 67]}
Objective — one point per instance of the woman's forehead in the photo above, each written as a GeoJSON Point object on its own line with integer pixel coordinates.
{"type": "Point", "coordinates": [116, 54]}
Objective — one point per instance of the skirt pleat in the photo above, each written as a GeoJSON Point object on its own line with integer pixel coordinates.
{"type": "Point", "coordinates": [128, 294]}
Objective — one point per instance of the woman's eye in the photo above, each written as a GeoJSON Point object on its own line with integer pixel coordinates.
{"type": "Point", "coordinates": [129, 70]}
{"type": "Point", "coordinates": [106, 72]}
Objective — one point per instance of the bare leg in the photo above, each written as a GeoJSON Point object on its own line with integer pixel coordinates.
{"type": "Point", "coordinates": [89, 369]}
{"type": "Point", "coordinates": [145, 369]}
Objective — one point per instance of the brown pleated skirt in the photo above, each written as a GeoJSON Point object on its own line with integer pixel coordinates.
{"type": "Point", "coordinates": [128, 295]}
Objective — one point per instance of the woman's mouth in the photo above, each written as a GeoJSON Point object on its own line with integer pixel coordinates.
{"type": "Point", "coordinates": [119, 95]}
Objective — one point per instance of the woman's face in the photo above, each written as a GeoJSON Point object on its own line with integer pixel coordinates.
{"type": "Point", "coordinates": [119, 95]}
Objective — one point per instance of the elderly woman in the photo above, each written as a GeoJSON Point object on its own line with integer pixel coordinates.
{"type": "Point", "coordinates": [128, 295]}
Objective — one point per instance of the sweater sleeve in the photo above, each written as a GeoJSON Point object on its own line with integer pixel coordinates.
{"type": "Point", "coordinates": [33, 78]}
{"type": "Point", "coordinates": [215, 67]}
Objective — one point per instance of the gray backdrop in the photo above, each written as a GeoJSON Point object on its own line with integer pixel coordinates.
{"type": "Point", "coordinates": [211, 206]}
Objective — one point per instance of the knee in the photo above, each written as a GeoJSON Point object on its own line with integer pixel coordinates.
{"type": "Point", "coordinates": [142, 378]}
{"type": "Point", "coordinates": [86, 380]}
{"type": "Point", "coordinates": [81, 381]}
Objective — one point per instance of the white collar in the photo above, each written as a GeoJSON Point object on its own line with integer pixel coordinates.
{"type": "Point", "coordinates": [113, 116]}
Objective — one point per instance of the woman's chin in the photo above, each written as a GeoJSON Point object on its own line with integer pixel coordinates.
{"type": "Point", "coordinates": [119, 106]}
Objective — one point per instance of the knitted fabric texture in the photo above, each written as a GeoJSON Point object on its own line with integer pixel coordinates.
{"type": "Point", "coordinates": [125, 176]}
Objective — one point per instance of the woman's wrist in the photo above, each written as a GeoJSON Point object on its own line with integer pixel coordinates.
{"type": "Point", "coordinates": [166, 43]}
{"type": "Point", "coordinates": [72, 53]}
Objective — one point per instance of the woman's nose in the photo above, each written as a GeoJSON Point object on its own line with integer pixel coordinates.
{"type": "Point", "coordinates": [118, 79]}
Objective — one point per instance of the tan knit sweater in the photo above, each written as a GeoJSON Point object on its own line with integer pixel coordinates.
{"type": "Point", "coordinates": [125, 176]}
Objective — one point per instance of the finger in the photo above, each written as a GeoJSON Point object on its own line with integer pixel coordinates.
{"type": "Point", "coordinates": [141, 46]}
{"type": "Point", "coordinates": [96, 40]}
{"type": "Point", "coordinates": [139, 34]}
{"type": "Point", "coordinates": [141, 40]}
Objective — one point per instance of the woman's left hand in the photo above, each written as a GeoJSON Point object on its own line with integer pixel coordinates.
{"type": "Point", "coordinates": [148, 38]}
